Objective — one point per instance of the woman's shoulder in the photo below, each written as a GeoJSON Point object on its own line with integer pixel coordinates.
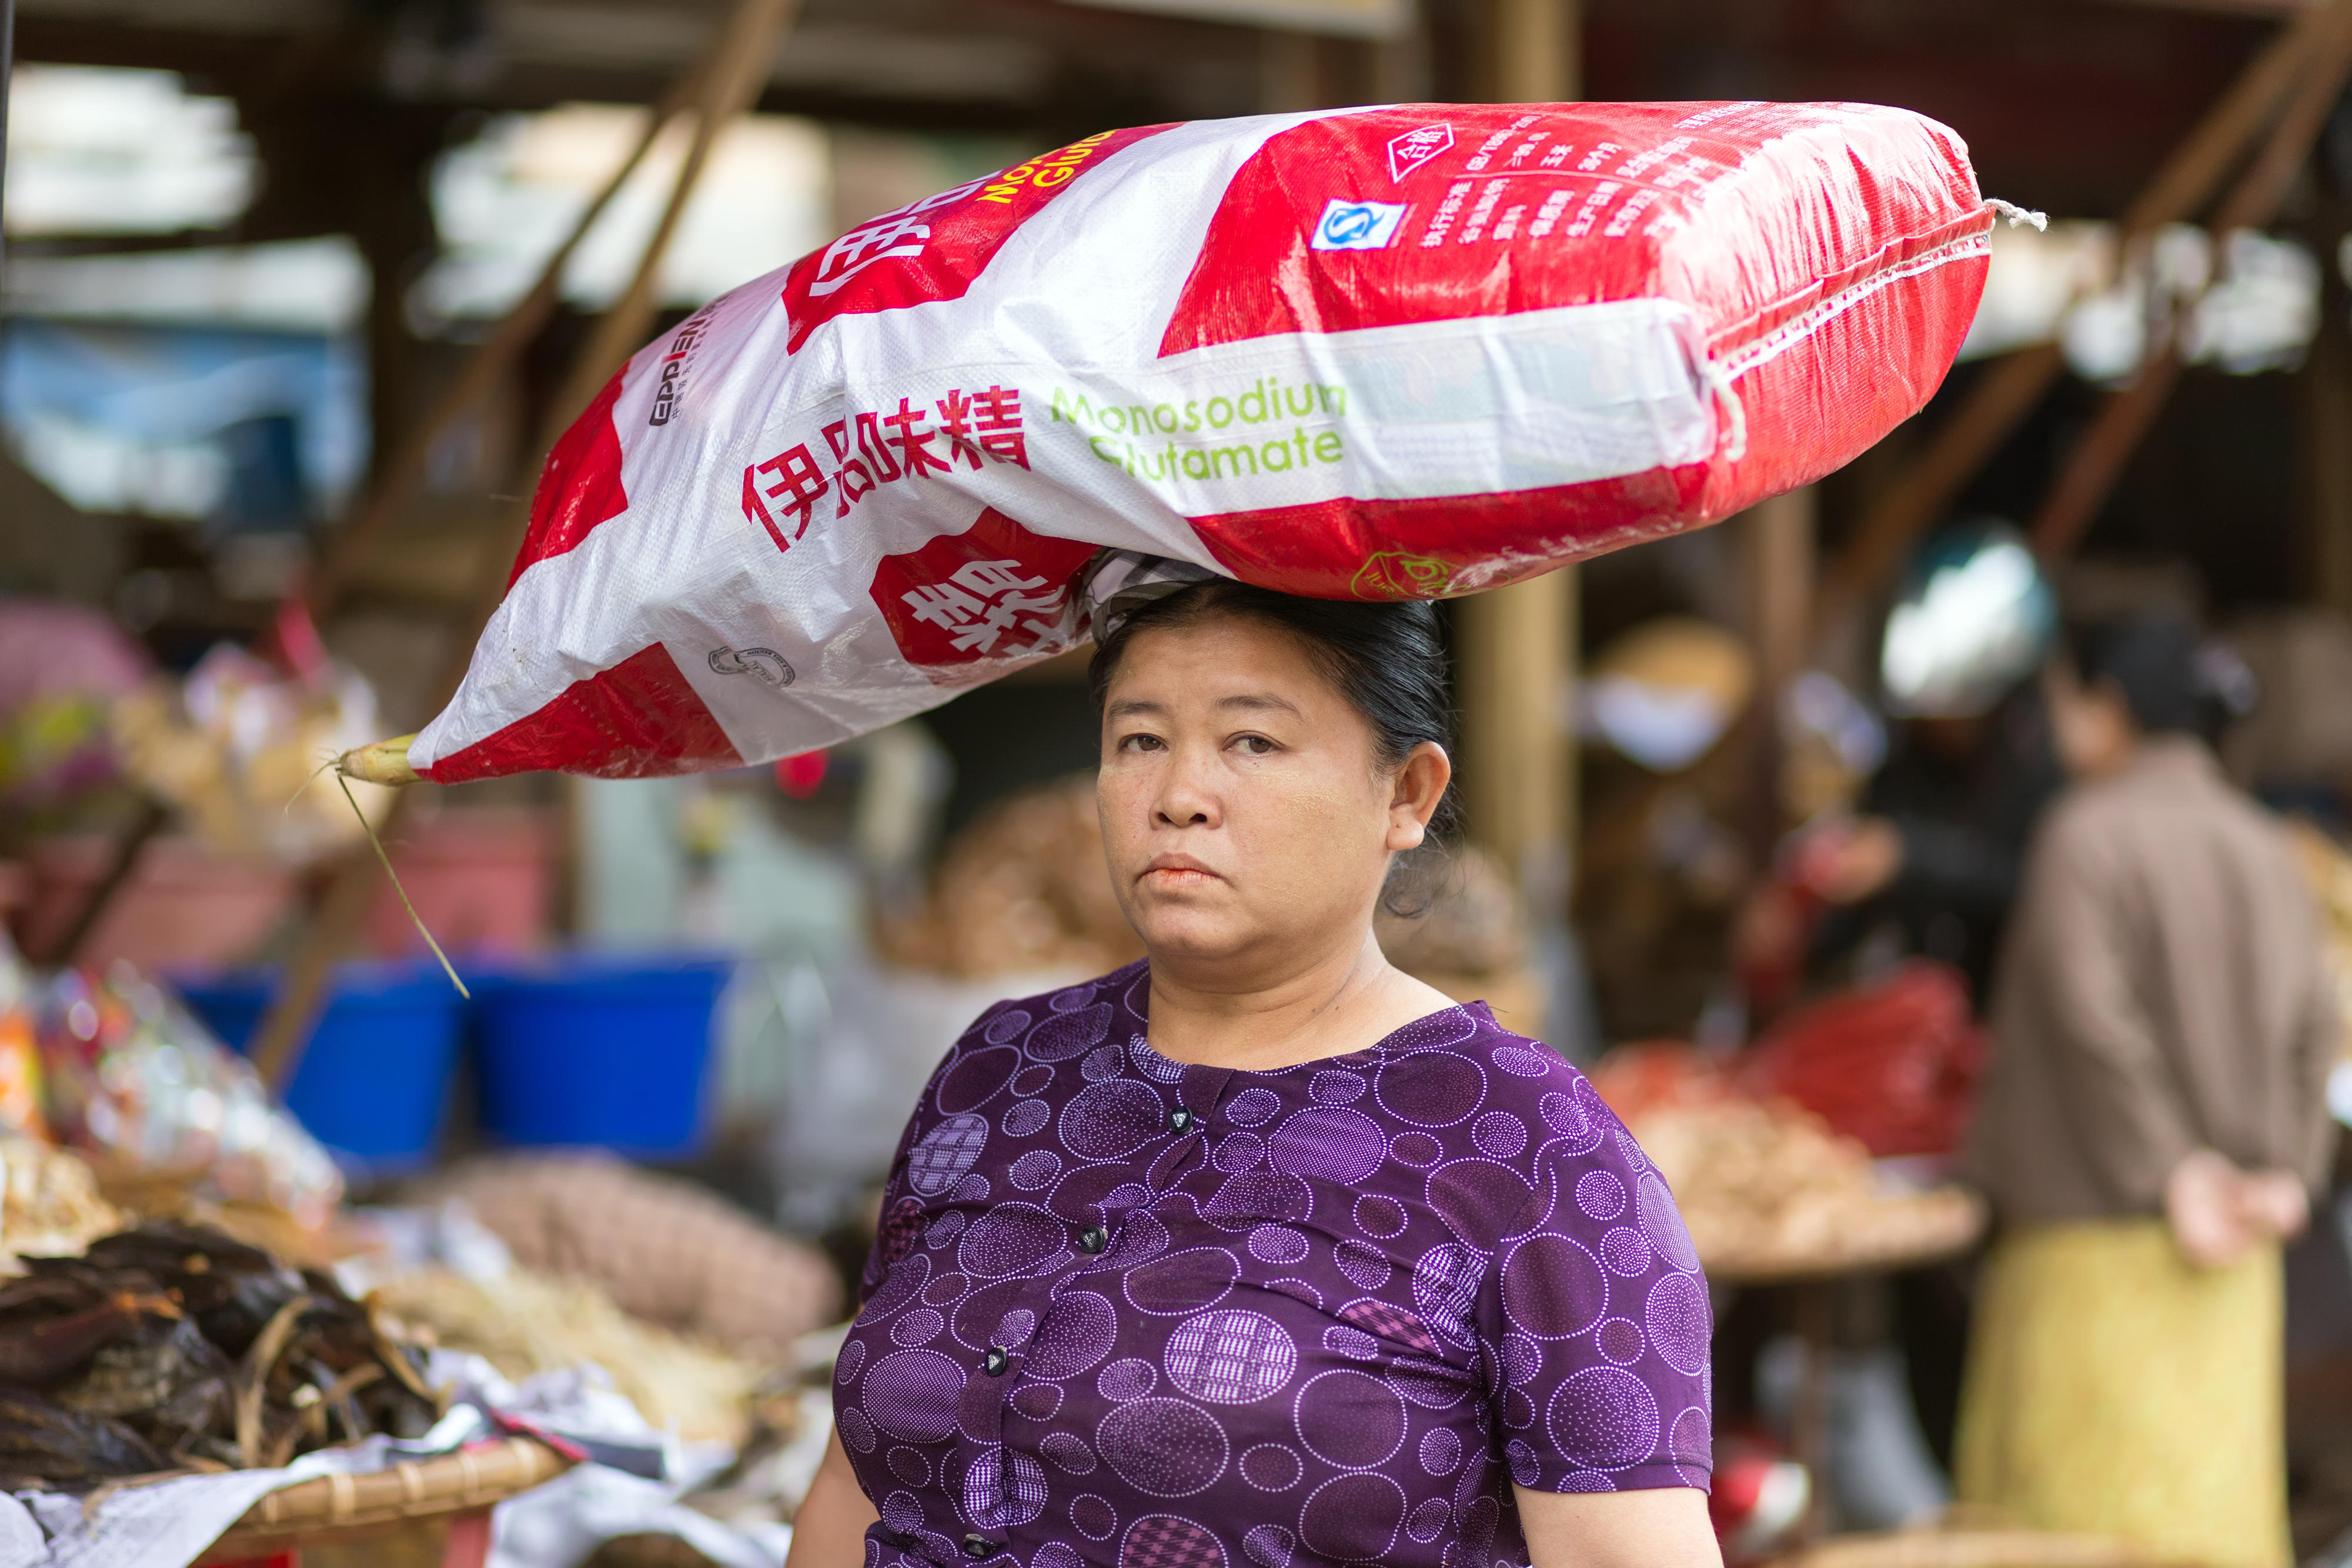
{"type": "Point", "coordinates": [1499, 1129]}
{"type": "Point", "coordinates": [1463, 1054]}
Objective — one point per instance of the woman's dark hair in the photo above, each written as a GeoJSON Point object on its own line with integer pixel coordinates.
{"type": "Point", "coordinates": [1386, 659]}
{"type": "Point", "coordinates": [2150, 660]}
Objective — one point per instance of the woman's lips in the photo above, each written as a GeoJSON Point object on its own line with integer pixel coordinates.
{"type": "Point", "coordinates": [1179, 871]}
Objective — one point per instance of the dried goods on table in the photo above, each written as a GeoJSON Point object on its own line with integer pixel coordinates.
{"type": "Point", "coordinates": [524, 1322]}
{"type": "Point", "coordinates": [1767, 1189]}
{"type": "Point", "coordinates": [168, 1346]}
{"type": "Point", "coordinates": [668, 1253]}
{"type": "Point", "coordinates": [50, 1202]}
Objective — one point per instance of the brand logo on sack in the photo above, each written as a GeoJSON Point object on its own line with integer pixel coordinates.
{"type": "Point", "coordinates": [1416, 147]}
{"type": "Point", "coordinates": [1398, 574]}
{"type": "Point", "coordinates": [1359, 225]}
{"type": "Point", "coordinates": [763, 664]}
{"type": "Point", "coordinates": [673, 370]}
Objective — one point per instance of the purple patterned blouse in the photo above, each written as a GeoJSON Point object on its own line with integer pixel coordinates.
{"type": "Point", "coordinates": [1128, 1312]}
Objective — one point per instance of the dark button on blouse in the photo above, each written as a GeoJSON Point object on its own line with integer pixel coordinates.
{"type": "Point", "coordinates": [1093, 1238]}
{"type": "Point", "coordinates": [996, 1361]}
{"type": "Point", "coordinates": [1178, 1119]}
{"type": "Point", "coordinates": [977, 1546]}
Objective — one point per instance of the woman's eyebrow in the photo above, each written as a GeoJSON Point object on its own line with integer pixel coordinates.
{"type": "Point", "coordinates": [1261, 702]}
{"type": "Point", "coordinates": [1131, 706]}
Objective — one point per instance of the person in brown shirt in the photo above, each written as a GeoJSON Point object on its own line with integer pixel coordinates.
{"type": "Point", "coordinates": [2151, 1124]}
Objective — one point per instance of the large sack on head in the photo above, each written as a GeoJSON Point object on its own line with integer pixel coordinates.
{"type": "Point", "coordinates": [1417, 351]}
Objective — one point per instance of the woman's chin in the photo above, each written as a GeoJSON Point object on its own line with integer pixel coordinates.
{"type": "Point", "coordinates": [1195, 936]}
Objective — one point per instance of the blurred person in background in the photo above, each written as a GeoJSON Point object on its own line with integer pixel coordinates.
{"type": "Point", "coordinates": [1928, 862]}
{"type": "Point", "coordinates": [2151, 1124]}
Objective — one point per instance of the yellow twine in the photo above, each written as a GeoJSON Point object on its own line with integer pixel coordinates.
{"type": "Point", "coordinates": [447, 968]}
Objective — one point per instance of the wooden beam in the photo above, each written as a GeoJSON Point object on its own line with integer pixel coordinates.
{"type": "Point", "coordinates": [403, 473]}
{"type": "Point", "coordinates": [2009, 389]}
{"type": "Point", "coordinates": [2099, 457]}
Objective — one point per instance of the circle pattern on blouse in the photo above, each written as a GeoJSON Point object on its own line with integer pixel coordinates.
{"type": "Point", "coordinates": [1333, 1314]}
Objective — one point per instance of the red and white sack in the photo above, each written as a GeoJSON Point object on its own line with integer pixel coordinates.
{"type": "Point", "coordinates": [1418, 351]}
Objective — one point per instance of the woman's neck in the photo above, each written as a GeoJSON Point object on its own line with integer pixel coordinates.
{"type": "Point", "coordinates": [1341, 1001]}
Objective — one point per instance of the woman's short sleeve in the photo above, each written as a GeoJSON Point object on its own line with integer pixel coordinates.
{"type": "Point", "coordinates": [1594, 1318]}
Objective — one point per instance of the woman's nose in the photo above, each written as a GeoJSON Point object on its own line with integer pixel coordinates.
{"type": "Point", "coordinates": [1184, 799]}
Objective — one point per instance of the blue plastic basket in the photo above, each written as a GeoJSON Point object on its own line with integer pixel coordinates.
{"type": "Point", "coordinates": [599, 1050]}
{"type": "Point", "coordinates": [372, 1083]}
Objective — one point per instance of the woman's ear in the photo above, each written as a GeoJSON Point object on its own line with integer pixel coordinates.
{"type": "Point", "coordinates": [1421, 784]}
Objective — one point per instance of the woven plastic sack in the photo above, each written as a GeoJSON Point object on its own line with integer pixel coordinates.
{"type": "Point", "coordinates": [1417, 351]}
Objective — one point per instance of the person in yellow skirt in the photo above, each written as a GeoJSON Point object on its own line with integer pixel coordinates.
{"type": "Point", "coordinates": [2153, 1122]}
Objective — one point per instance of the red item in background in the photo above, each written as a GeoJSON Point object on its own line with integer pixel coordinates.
{"type": "Point", "coordinates": [1635, 1079]}
{"type": "Point", "coordinates": [482, 880]}
{"type": "Point", "coordinates": [1893, 1065]}
{"type": "Point", "coordinates": [186, 906]}
{"type": "Point", "coordinates": [801, 777]}
{"type": "Point", "coordinates": [1756, 1497]}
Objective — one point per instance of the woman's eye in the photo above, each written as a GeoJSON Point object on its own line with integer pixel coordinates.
{"type": "Point", "coordinates": [1254, 745]}
{"type": "Point", "coordinates": [1139, 743]}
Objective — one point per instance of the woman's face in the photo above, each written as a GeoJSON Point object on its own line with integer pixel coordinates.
{"type": "Point", "coordinates": [1244, 819]}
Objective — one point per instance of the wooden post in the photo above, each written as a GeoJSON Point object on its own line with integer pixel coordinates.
{"type": "Point", "coordinates": [1779, 544]}
{"type": "Point", "coordinates": [1517, 645]}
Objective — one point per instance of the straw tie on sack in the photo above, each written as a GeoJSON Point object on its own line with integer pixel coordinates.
{"type": "Point", "coordinates": [386, 762]}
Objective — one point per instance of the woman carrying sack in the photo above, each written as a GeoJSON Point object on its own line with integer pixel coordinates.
{"type": "Point", "coordinates": [1259, 1250]}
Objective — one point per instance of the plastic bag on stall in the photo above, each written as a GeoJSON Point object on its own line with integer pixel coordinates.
{"type": "Point", "coordinates": [138, 1085]}
{"type": "Point", "coordinates": [1408, 352]}
{"type": "Point", "coordinates": [235, 746]}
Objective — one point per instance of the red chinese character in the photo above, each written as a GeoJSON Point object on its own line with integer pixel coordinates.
{"type": "Point", "coordinates": [874, 447]}
{"type": "Point", "coordinates": [955, 423]}
{"type": "Point", "coordinates": [799, 484]}
{"type": "Point", "coordinates": [914, 440]}
{"type": "Point", "coordinates": [860, 248]}
{"type": "Point", "coordinates": [948, 608]}
{"type": "Point", "coordinates": [991, 579]}
{"type": "Point", "coordinates": [999, 423]}
{"type": "Point", "coordinates": [1003, 597]}
{"type": "Point", "coordinates": [855, 479]}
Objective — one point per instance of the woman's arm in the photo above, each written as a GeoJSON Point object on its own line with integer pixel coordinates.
{"type": "Point", "coordinates": [829, 1531]}
{"type": "Point", "coordinates": [1665, 1528]}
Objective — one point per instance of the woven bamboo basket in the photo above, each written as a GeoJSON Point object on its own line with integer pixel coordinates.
{"type": "Point", "coordinates": [339, 1507]}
